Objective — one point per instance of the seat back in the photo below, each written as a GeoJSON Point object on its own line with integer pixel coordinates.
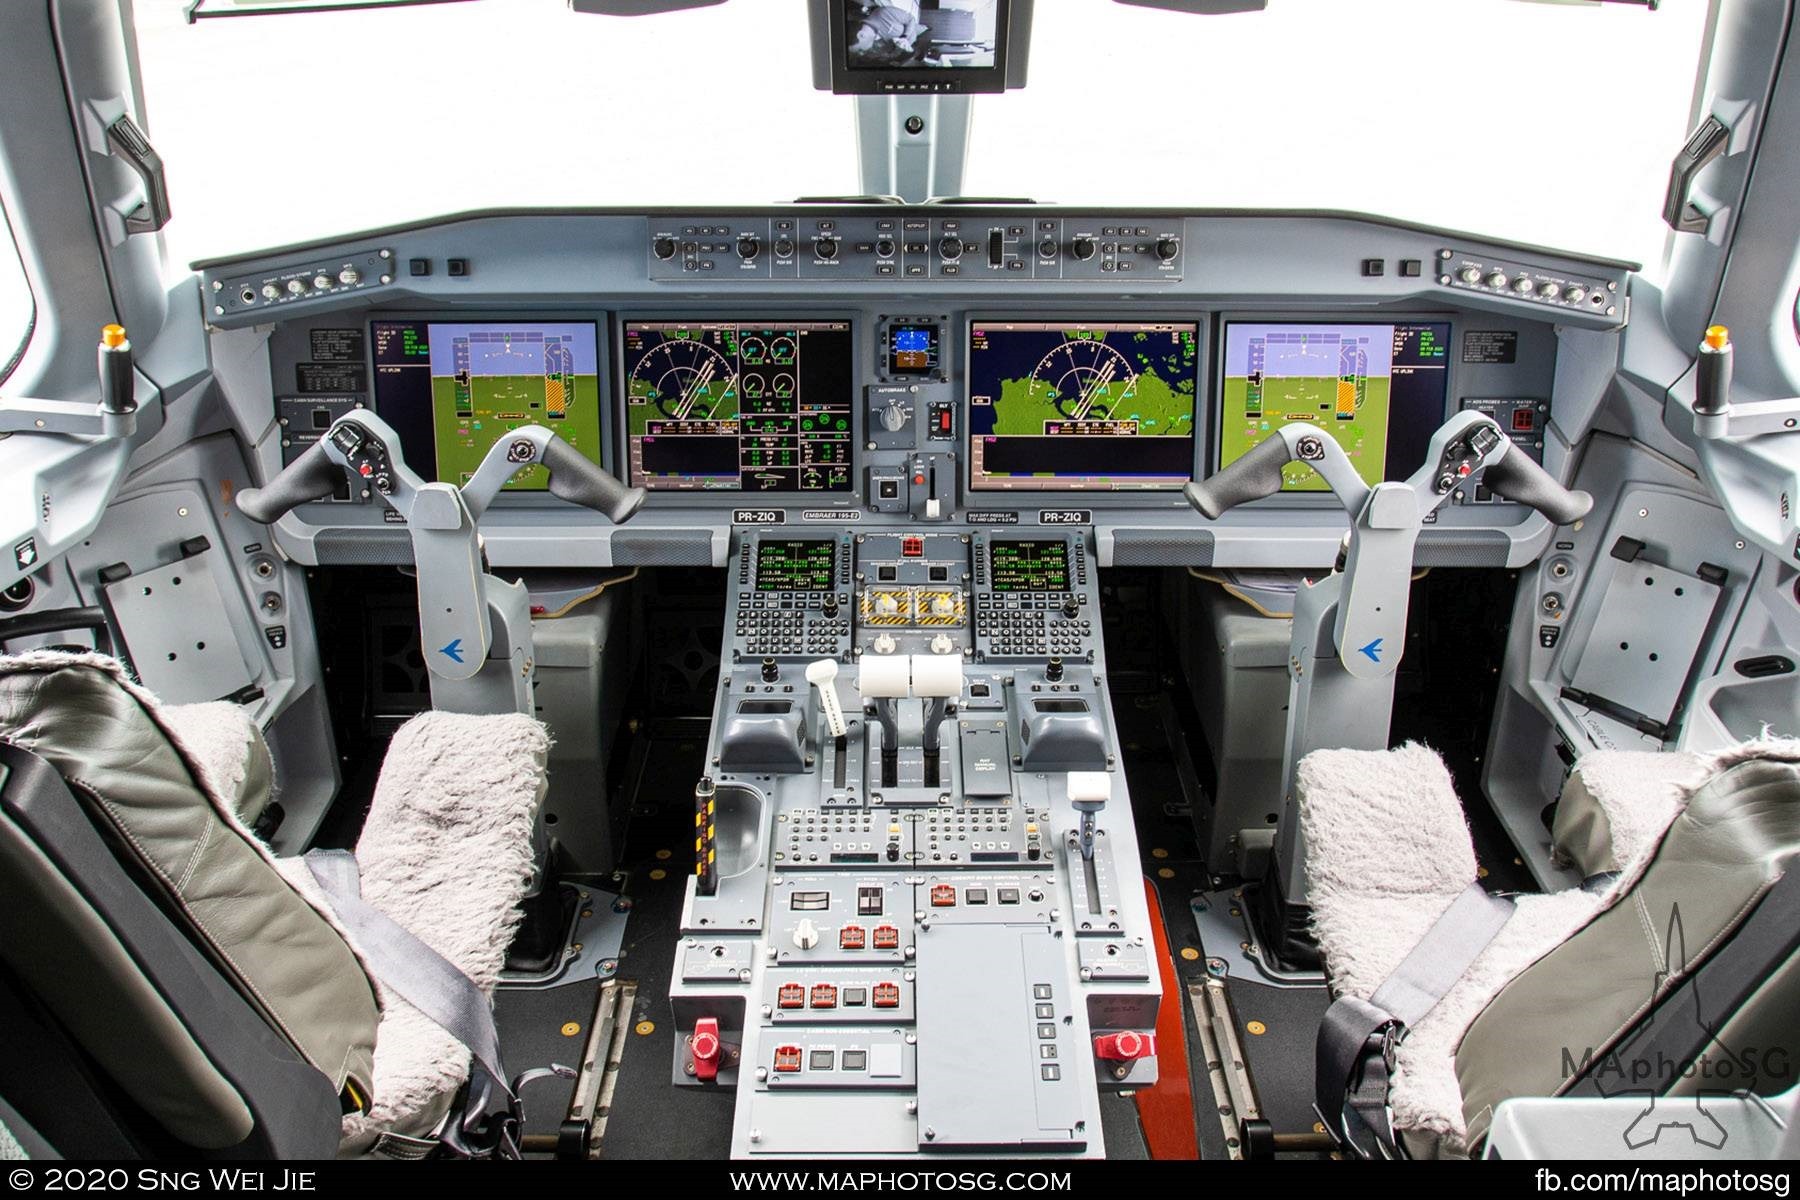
{"type": "Point", "coordinates": [183, 849]}
{"type": "Point", "coordinates": [1564, 1015]}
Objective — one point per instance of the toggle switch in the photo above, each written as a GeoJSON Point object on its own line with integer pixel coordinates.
{"type": "Point", "coordinates": [1124, 1046]}
{"type": "Point", "coordinates": [707, 1049]}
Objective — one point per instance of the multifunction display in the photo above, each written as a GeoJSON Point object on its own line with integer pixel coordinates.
{"type": "Point", "coordinates": [452, 389]}
{"type": "Point", "coordinates": [753, 407]}
{"type": "Point", "coordinates": [1378, 389]}
{"type": "Point", "coordinates": [1082, 407]}
{"type": "Point", "coordinates": [796, 566]}
{"type": "Point", "coordinates": [912, 349]}
{"type": "Point", "coordinates": [1028, 566]}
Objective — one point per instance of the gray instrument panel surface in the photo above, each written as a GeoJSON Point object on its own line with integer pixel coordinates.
{"type": "Point", "coordinates": [603, 266]}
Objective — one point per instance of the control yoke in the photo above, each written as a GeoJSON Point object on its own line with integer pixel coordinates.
{"type": "Point", "coordinates": [475, 629]}
{"type": "Point", "coordinates": [362, 445]}
{"type": "Point", "coordinates": [1385, 519]}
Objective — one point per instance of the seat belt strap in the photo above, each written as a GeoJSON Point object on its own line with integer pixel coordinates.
{"type": "Point", "coordinates": [399, 959]}
{"type": "Point", "coordinates": [1354, 1055]}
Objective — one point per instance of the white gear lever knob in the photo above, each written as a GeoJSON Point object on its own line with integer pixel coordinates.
{"type": "Point", "coordinates": [822, 674]}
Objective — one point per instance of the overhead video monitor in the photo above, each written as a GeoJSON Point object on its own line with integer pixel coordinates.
{"type": "Point", "coordinates": [1378, 388]}
{"type": "Point", "coordinates": [1082, 406]}
{"type": "Point", "coordinates": [755, 406]}
{"type": "Point", "coordinates": [954, 47]}
{"type": "Point", "coordinates": [451, 389]}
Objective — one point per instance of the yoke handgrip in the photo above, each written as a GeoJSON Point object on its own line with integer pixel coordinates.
{"type": "Point", "coordinates": [312, 476]}
{"type": "Point", "coordinates": [579, 480]}
{"type": "Point", "coordinates": [1518, 478]}
{"type": "Point", "coordinates": [1255, 475]}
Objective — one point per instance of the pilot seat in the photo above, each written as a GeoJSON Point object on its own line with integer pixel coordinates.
{"type": "Point", "coordinates": [1450, 1001]}
{"type": "Point", "coordinates": [170, 987]}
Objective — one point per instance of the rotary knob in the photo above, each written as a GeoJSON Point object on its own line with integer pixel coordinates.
{"type": "Point", "coordinates": [1524, 286]}
{"type": "Point", "coordinates": [825, 248]}
{"type": "Point", "coordinates": [941, 644]}
{"type": "Point", "coordinates": [1497, 279]}
{"type": "Point", "coordinates": [784, 248]}
{"type": "Point", "coordinates": [1470, 275]}
{"type": "Point", "coordinates": [1168, 248]}
{"type": "Point", "coordinates": [1082, 248]}
{"type": "Point", "coordinates": [349, 276]}
{"type": "Point", "coordinates": [748, 247]}
{"type": "Point", "coordinates": [296, 287]}
{"type": "Point", "coordinates": [950, 247]}
{"type": "Point", "coordinates": [1574, 293]}
{"type": "Point", "coordinates": [321, 281]}
{"type": "Point", "coordinates": [806, 934]}
{"type": "Point", "coordinates": [883, 644]}
{"type": "Point", "coordinates": [893, 417]}
{"type": "Point", "coordinates": [270, 291]}
{"type": "Point", "coordinates": [664, 248]}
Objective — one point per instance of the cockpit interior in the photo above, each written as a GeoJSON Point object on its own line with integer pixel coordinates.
{"type": "Point", "coordinates": [899, 581]}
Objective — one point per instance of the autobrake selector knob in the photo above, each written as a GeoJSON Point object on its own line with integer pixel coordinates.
{"type": "Point", "coordinates": [893, 417]}
{"type": "Point", "coordinates": [1082, 248]}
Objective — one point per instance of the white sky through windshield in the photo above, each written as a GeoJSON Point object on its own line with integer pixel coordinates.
{"type": "Point", "coordinates": [1527, 121]}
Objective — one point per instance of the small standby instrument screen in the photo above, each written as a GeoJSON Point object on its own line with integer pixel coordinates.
{"type": "Point", "coordinates": [912, 349]}
{"type": "Point", "coordinates": [750, 407]}
{"type": "Point", "coordinates": [1378, 389]}
{"type": "Point", "coordinates": [452, 389]}
{"type": "Point", "coordinates": [795, 566]}
{"type": "Point", "coordinates": [1082, 407]}
{"type": "Point", "coordinates": [1029, 566]}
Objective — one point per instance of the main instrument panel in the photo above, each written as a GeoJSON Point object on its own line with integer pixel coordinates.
{"type": "Point", "coordinates": [972, 366]}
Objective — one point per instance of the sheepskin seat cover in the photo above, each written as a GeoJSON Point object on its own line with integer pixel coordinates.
{"type": "Point", "coordinates": [1616, 804]}
{"type": "Point", "coordinates": [446, 852]}
{"type": "Point", "coordinates": [1388, 849]}
{"type": "Point", "coordinates": [227, 752]}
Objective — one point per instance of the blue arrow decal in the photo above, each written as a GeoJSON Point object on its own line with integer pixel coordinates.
{"type": "Point", "coordinates": [453, 651]}
{"type": "Point", "coordinates": [1373, 650]}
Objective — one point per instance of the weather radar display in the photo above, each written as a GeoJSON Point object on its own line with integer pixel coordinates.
{"type": "Point", "coordinates": [1102, 406]}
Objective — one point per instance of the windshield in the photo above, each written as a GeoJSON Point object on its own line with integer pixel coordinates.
{"type": "Point", "coordinates": [1535, 122]}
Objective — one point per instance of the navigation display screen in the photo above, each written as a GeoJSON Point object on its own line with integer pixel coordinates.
{"type": "Point", "coordinates": [806, 566]}
{"type": "Point", "coordinates": [1029, 566]}
{"type": "Point", "coordinates": [752, 407]}
{"type": "Point", "coordinates": [1082, 407]}
{"type": "Point", "coordinates": [1379, 389]}
{"type": "Point", "coordinates": [452, 389]}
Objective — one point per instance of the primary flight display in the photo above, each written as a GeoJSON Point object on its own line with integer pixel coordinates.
{"type": "Point", "coordinates": [1089, 406]}
{"type": "Point", "coordinates": [1378, 389]}
{"type": "Point", "coordinates": [451, 389]}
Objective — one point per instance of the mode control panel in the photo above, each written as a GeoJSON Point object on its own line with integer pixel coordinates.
{"type": "Point", "coordinates": [1013, 247]}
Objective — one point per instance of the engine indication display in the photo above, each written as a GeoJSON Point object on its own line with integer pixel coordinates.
{"type": "Point", "coordinates": [1082, 407]}
{"type": "Point", "coordinates": [754, 407]}
{"type": "Point", "coordinates": [452, 389]}
{"type": "Point", "coordinates": [796, 566]}
{"type": "Point", "coordinates": [1378, 389]}
{"type": "Point", "coordinates": [1028, 566]}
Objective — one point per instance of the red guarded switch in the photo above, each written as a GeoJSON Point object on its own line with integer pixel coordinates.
{"type": "Point", "coordinates": [706, 1048]}
{"type": "Point", "coordinates": [912, 545]}
{"type": "Point", "coordinates": [791, 995]}
{"type": "Point", "coordinates": [787, 1059]}
{"type": "Point", "coordinates": [1124, 1045]}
